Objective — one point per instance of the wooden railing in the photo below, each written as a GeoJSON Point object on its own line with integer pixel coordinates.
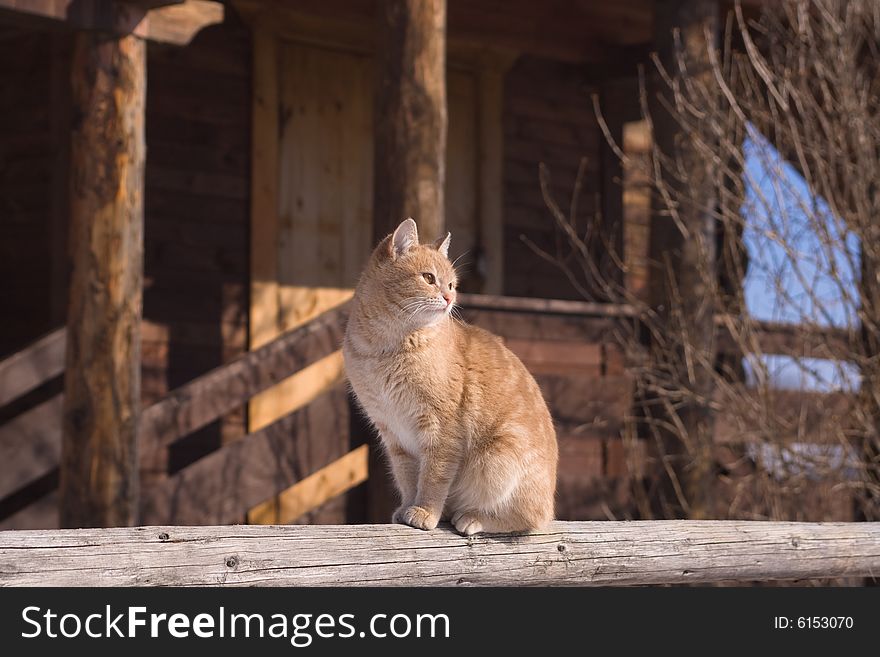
{"type": "Point", "coordinates": [218, 488]}
{"type": "Point", "coordinates": [260, 477]}
{"type": "Point", "coordinates": [564, 554]}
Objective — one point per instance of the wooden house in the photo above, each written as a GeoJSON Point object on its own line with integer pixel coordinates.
{"type": "Point", "coordinates": [222, 161]}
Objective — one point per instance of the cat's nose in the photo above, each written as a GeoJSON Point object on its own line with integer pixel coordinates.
{"type": "Point", "coordinates": [447, 298]}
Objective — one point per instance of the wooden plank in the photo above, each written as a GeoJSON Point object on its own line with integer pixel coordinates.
{"type": "Point", "coordinates": [221, 487]}
{"type": "Point", "coordinates": [102, 394]}
{"type": "Point", "coordinates": [169, 21]}
{"type": "Point", "coordinates": [797, 340]}
{"type": "Point", "coordinates": [330, 481]}
{"type": "Point", "coordinates": [557, 356]}
{"type": "Point", "coordinates": [179, 23]}
{"type": "Point", "coordinates": [597, 402]}
{"type": "Point", "coordinates": [324, 203]}
{"type": "Point", "coordinates": [564, 554]}
{"type": "Point", "coordinates": [32, 366]}
{"type": "Point", "coordinates": [536, 326]}
{"type": "Point", "coordinates": [547, 306]}
{"type": "Point", "coordinates": [30, 445]}
{"type": "Point", "coordinates": [297, 390]}
{"type": "Point", "coordinates": [206, 398]}
{"type": "Point", "coordinates": [40, 514]}
{"type": "Point", "coordinates": [264, 189]}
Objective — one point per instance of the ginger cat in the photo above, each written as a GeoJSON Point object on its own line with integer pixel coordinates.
{"type": "Point", "coordinates": [466, 430]}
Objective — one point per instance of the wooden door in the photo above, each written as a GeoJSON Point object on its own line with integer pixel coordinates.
{"type": "Point", "coordinates": [324, 205]}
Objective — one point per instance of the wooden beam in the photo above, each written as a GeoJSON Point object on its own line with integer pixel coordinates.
{"type": "Point", "coordinates": [221, 487]}
{"type": "Point", "coordinates": [178, 23]}
{"type": "Point", "coordinates": [565, 554]}
{"type": "Point", "coordinates": [562, 30]}
{"type": "Point", "coordinates": [30, 445]}
{"type": "Point", "coordinates": [544, 306]}
{"type": "Point", "coordinates": [168, 21]}
{"type": "Point", "coordinates": [410, 120]}
{"type": "Point", "coordinates": [297, 390]}
{"type": "Point", "coordinates": [227, 387]}
{"type": "Point", "coordinates": [32, 366]}
{"type": "Point", "coordinates": [102, 392]}
{"type": "Point", "coordinates": [265, 135]}
{"type": "Point", "coordinates": [319, 487]}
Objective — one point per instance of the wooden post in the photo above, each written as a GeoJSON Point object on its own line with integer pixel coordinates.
{"type": "Point", "coordinates": [99, 484]}
{"type": "Point", "coordinates": [680, 284]}
{"type": "Point", "coordinates": [409, 171]}
{"type": "Point", "coordinates": [410, 119]}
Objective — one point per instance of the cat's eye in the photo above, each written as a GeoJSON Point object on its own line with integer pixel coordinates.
{"type": "Point", "coordinates": [428, 276]}
{"type": "Point", "coordinates": [451, 285]}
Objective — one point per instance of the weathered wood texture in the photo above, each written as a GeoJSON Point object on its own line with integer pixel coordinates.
{"type": "Point", "coordinates": [221, 487]}
{"type": "Point", "coordinates": [30, 445]}
{"type": "Point", "coordinates": [102, 397]}
{"type": "Point", "coordinates": [169, 21]}
{"type": "Point", "coordinates": [319, 487]}
{"type": "Point", "coordinates": [206, 398]}
{"type": "Point", "coordinates": [410, 117]}
{"type": "Point", "coordinates": [566, 554]}
{"type": "Point", "coordinates": [32, 366]}
{"type": "Point", "coordinates": [312, 195]}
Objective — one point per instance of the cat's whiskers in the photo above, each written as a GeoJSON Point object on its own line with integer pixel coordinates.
{"type": "Point", "coordinates": [455, 314]}
{"type": "Point", "coordinates": [460, 256]}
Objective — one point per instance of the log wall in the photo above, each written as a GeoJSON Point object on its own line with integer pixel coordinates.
{"type": "Point", "coordinates": [548, 118]}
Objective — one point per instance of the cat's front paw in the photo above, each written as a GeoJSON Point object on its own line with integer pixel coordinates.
{"type": "Point", "coordinates": [397, 516]}
{"type": "Point", "coordinates": [418, 517]}
{"type": "Point", "coordinates": [467, 523]}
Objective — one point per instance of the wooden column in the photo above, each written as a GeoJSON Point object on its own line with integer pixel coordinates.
{"type": "Point", "coordinates": [409, 172]}
{"type": "Point", "coordinates": [410, 119]}
{"type": "Point", "coordinates": [99, 483]}
{"type": "Point", "coordinates": [681, 287]}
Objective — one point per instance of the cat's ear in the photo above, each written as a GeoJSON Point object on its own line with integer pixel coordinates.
{"type": "Point", "coordinates": [442, 244]}
{"type": "Point", "coordinates": [405, 237]}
